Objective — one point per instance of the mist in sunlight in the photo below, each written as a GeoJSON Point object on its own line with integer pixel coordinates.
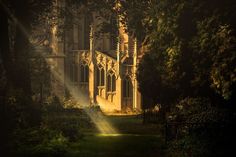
{"type": "Point", "coordinates": [97, 117]}
{"type": "Point", "coordinates": [80, 97]}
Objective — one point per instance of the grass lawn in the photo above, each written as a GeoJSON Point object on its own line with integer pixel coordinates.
{"type": "Point", "coordinates": [133, 125]}
{"type": "Point", "coordinates": [117, 146]}
{"type": "Point", "coordinates": [133, 140]}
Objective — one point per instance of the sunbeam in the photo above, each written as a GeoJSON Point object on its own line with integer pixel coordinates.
{"type": "Point", "coordinates": [97, 118]}
{"type": "Point", "coordinates": [15, 20]}
{"type": "Point", "coordinates": [102, 124]}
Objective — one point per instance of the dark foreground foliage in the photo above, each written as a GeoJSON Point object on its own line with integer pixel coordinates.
{"type": "Point", "coordinates": [38, 142]}
{"type": "Point", "coordinates": [58, 130]}
{"type": "Point", "coordinates": [197, 128]}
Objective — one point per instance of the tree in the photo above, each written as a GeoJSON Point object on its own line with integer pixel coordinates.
{"type": "Point", "coordinates": [183, 45]}
{"type": "Point", "coordinates": [17, 107]}
{"type": "Point", "coordinates": [191, 58]}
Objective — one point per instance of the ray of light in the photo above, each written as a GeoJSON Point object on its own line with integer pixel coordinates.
{"type": "Point", "coordinates": [97, 117]}
{"type": "Point", "coordinates": [101, 122]}
{"type": "Point", "coordinates": [15, 20]}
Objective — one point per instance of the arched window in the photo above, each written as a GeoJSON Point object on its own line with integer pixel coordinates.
{"type": "Point", "coordinates": [100, 76]}
{"type": "Point", "coordinates": [127, 88]}
{"type": "Point", "coordinates": [84, 73]}
{"type": "Point", "coordinates": [111, 82]}
{"type": "Point", "coordinates": [73, 66]}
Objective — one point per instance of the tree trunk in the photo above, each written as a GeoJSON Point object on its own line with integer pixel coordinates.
{"type": "Point", "coordinates": [22, 78]}
{"type": "Point", "coordinates": [5, 60]}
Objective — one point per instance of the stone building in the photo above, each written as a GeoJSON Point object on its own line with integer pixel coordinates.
{"type": "Point", "coordinates": [102, 67]}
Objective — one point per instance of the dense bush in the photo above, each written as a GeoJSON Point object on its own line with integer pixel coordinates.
{"type": "Point", "coordinates": [53, 104]}
{"type": "Point", "coordinates": [189, 59]}
{"type": "Point", "coordinates": [38, 142]}
{"type": "Point", "coordinates": [68, 126]}
{"type": "Point", "coordinates": [68, 121]}
{"type": "Point", "coordinates": [201, 129]}
{"type": "Point", "coordinates": [59, 126]}
{"type": "Point", "coordinates": [21, 111]}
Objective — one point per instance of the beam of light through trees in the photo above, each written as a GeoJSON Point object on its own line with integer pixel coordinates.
{"type": "Point", "coordinates": [15, 20]}
{"type": "Point", "coordinates": [97, 117]}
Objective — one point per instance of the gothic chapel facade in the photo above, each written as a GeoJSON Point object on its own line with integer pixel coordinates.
{"type": "Point", "coordinates": [102, 67]}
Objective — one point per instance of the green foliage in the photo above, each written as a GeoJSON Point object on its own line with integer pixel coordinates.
{"type": "Point", "coordinates": [21, 111]}
{"type": "Point", "coordinates": [69, 122]}
{"type": "Point", "coordinates": [190, 62]}
{"type": "Point", "coordinates": [38, 142]}
{"type": "Point", "coordinates": [191, 51]}
{"type": "Point", "coordinates": [215, 46]}
{"type": "Point", "coordinates": [202, 129]}
{"type": "Point", "coordinates": [152, 77]}
{"type": "Point", "coordinates": [223, 73]}
{"type": "Point", "coordinates": [189, 107]}
{"type": "Point", "coordinates": [41, 78]}
{"type": "Point", "coordinates": [53, 104]}
{"type": "Point", "coordinates": [188, 146]}
{"type": "Point", "coordinates": [135, 17]}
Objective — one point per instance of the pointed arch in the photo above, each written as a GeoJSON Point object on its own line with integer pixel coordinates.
{"type": "Point", "coordinates": [111, 82]}
{"type": "Point", "coordinates": [84, 73]}
{"type": "Point", "coordinates": [100, 76]}
{"type": "Point", "coordinates": [127, 88]}
{"type": "Point", "coordinates": [73, 69]}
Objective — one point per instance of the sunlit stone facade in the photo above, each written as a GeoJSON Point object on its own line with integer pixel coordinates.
{"type": "Point", "coordinates": [101, 67]}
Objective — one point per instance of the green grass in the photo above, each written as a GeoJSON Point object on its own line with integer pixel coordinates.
{"type": "Point", "coordinates": [133, 125]}
{"type": "Point", "coordinates": [117, 146]}
{"type": "Point", "coordinates": [72, 134]}
{"type": "Point", "coordinates": [133, 140]}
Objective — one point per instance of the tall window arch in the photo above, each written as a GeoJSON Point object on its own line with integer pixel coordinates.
{"type": "Point", "coordinates": [100, 76]}
{"type": "Point", "coordinates": [84, 73]}
{"type": "Point", "coordinates": [127, 88]}
{"type": "Point", "coordinates": [73, 69]}
{"type": "Point", "coordinates": [111, 82]}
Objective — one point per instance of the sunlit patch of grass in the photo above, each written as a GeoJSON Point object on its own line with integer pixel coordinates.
{"type": "Point", "coordinates": [114, 145]}
{"type": "Point", "coordinates": [109, 135]}
{"type": "Point", "coordinates": [133, 140]}
{"type": "Point", "coordinates": [131, 135]}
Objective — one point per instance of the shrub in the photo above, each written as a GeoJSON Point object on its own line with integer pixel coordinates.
{"type": "Point", "coordinates": [201, 129]}
{"type": "Point", "coordinates": [69, 122]}
{"type": "Point", "coordinates": [53, 104]}
{"type": "Point", "coordinates": [21, 111]}
{"type": "Point", "coordinates": [38, 142]}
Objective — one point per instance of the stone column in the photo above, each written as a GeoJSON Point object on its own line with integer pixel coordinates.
{"type": "Point", "coordinates": [119, 77]}
{"type": "Point", "coordinates": [135, 86]}
{"type": "Point", "coordinates": [92, 69]}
